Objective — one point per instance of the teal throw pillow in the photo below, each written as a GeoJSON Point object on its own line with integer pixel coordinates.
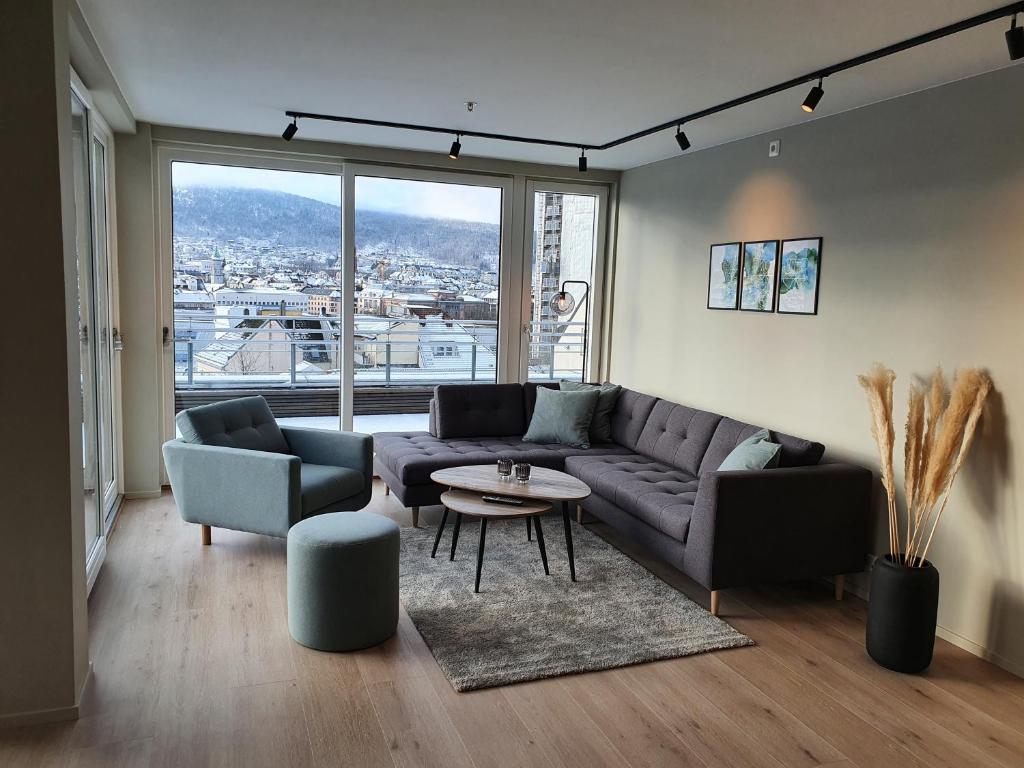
{"type": "Point", "coordinates": [607, 396]}
{"type": "Point", "coordinates": [756, 452]}
{"type": "Point", "coordinates": [562, 417]}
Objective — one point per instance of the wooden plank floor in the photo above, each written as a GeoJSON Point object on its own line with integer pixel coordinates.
{"type": "Point", "coordinates": [194, 667]}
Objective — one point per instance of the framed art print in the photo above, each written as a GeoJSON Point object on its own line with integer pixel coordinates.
{"type": "Point", "coordinates": [799, 276]}
{"type": "Point", "coordinates": [724, 276]}
{"type": "Point", "coordinates": [757, 285]}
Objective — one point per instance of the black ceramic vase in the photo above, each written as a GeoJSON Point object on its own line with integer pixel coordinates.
{"type": "Point", "coordinates": [902, 613]}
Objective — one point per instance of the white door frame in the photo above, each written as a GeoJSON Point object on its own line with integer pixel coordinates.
{"type": "Point", "coordinates": [596, 297]}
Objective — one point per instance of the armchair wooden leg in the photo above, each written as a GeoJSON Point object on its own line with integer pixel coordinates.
{"type": "Point", "coordinates": [714, 601]}
{"type": "Point", "coordinates": [387, 490]}
{"type": "Point", "coordinates": [840, 584]}
{"type": "Point", "coordinates": [207, 538]}
{"type": "Point", "coordinates": [415, 517]}
{"type": "Point", "coordinates": [579, 514]}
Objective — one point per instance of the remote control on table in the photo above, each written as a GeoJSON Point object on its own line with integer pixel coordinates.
{"type": "Point", "coordinates": [510, 500]}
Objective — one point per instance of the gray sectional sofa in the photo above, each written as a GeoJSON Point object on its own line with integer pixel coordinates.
{"type": "Point", "coordinates": [658, 483]}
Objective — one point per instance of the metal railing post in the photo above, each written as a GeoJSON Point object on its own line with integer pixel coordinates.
{"type": "Point", "coordinates": [551, 366]}
{"type": "Point", "coordinates": [472, 369]}
{"type": "Point", "coordinates": [293, 366]}
{"type": "Point", "coordinates": [191, 363]}
{"type": "Point", "coordinates": [387, 362]}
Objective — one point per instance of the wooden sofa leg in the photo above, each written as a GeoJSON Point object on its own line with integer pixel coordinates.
{"type": "Point", "coordinates": [579, 514]}
{"type": "Point", "coordinates": [207, 538]}
{"type": "Point", "coordinates": [714, 602]}
{"type": "Point", "coordinates": [840, 584]}
{"type": "Point", "coordinates": [415, 517]}
{"type": "Point", "coordinates": [387, 490]}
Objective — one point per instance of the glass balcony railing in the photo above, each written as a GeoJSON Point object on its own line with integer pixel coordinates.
{"type": "Point", "coordinates": [267, 351]}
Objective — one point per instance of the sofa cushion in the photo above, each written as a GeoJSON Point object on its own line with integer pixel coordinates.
{"type": "Point", "coordinates": [563, 417]}
{"type": "Point", "coordinates": [245, 422]}
{"type": "Point", "coordinates": [677, 435]}
{"type": "Point", "coordinates": [630, 415]}
{"type": "Point", "coordinates": [323, 485]}
{"type": "Point", "coordinates": [608, 395]}
{"type": "Point", "coordinates": [530, 396]}
{"type": "Point", "coordinates": [412, 456]}
{"type": "Point", "coordinates": [470, 410]}
{"type": "Point", "coordinates": [796, 452]}
{"type": "Point", "coordinates": [659, 495]}
{"type": "Point", "coordinates": [756, 452]}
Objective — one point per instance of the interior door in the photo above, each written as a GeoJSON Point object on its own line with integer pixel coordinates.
{"type": "Point", "coordinates": [566, 243]}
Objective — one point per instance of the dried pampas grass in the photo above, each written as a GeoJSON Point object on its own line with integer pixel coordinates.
{"type": "Point", "coordinates": [938, 439]}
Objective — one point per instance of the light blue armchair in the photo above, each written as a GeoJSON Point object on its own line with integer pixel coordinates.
{"type": "Point", "coordinates": [235, 467]}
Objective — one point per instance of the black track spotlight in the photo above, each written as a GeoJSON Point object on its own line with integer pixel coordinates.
{"type": "Point", "coordinates": [1015, 40]}
{"type": "Point", "coordinates": [813, 97]}
{"type": "Point", "coordinates": [290, 130]}
{"type": "Point", "coordinates": [681, 140]}
{"type": "Point", "coordinates": [583, 161]}
{"type": "Point", "coordinates": [453, 153]}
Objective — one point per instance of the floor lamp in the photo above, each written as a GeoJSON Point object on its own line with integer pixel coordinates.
{"type": "Point", "coordinates": [564, 303]}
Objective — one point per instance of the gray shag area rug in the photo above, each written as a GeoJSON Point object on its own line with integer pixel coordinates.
{"type": "Point", "coordinates": [524, 625]}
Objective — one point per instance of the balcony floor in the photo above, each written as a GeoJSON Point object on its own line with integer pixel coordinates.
{"type": "Point", "coordinates": [391, 422]}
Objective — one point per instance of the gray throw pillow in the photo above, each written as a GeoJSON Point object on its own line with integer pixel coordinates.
{"type": "Point", "coordinates": [607, 396]}
{"type": "Point", "coordinates": [562, 417]}
{"type": "Point", "coordinates": [756, 452]}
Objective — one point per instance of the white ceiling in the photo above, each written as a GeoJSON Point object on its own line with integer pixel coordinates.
{"type": "Point", "coordinates": [577, 70]}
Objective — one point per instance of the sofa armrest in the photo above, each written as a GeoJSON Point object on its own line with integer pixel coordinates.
{"type": "Point", "coordinates": [353, 450]}
{"type": "Point", "coordinates": [777, 524]}
{"type": "Point", "coordinates": [432, 423]}
{"type": "Point", "coordinates": [255, 491]}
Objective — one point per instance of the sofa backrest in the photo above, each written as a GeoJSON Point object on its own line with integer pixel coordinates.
{"type": "Point", "coordinates": [629, 417]}
{"type": "Point", "coordinates": [677, 435]}
{"type": "Point", "coordinates": [479, 410]}
{"type": "Point", "coordinates": [796, 452]}
{"type": "Point", "coordinates": [245, 422]}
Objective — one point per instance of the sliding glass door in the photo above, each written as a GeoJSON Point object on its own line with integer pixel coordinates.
{"type": "Point", "coordinates": [256, 303]}
{"type": "Point", "coordinates": [563, 281]}
{"type": "Point", "coordinates": [90, 140]}
{"type": "Point", "coordinates": [427, 296]}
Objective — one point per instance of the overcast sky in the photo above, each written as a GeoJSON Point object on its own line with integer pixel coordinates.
{"type": "Point", "coordinates": [415, 198]}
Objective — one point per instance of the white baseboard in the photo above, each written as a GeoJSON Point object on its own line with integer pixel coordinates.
{"type": "Point", "coordinates": [143, 494]}
{"type": "Point", "coordinates": [55, 715]}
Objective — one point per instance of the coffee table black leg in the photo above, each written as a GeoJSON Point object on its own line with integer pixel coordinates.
{"type": "Point", "coordinates": [528, 536]}
{"type": "Point", "coordinates": [568, 540]}
{"type": "Point", "coordinates": [440, 530]}
{"type": "Point", "coordinates": [455, 533]}
{"type": "Point", "coordinates": [540, 543]}
{"type": "Point", "coordinates": [480, 552]}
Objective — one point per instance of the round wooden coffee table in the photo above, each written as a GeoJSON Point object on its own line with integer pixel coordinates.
{"type": "Point", "coordinates": [467, 485]}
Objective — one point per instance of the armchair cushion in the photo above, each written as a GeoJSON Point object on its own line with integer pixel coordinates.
{"type": "Point", "coordinates": [245, 422]}
{"type": "Point", "coordinates": [323, 486]}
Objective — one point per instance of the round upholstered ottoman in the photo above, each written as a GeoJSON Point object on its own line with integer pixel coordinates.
{"type": "Point", "coordinates": [343, 580]}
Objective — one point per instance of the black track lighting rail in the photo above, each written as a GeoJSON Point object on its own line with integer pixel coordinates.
{"type": "Point", "coordinates": [995, 14]}
{"type": "Point", "coordinates": [436, 129]}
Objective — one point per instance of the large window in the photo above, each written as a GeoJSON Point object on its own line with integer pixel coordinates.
{"type": "Point", "coordinates": [330, 308]}
{"type": "Point", "coordinates": [563, 257]}
{"type": "Point", "coordinates": [427, 269]}
{"type": "Point", "coordinates": [256, 259]}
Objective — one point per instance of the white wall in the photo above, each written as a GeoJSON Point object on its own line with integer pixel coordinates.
{"type": "Point", "coordinates": [920, 201]}
{"type": "Point", "coordinates": [43, 642]}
